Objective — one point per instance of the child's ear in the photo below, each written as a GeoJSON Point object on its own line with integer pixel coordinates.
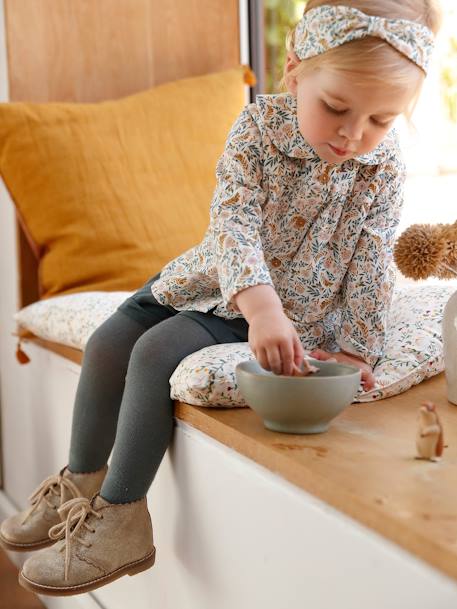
{"type": "Point", "coordinates": [292, 62]}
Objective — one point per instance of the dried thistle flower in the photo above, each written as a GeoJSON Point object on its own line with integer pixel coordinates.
{"type": "Point", "coordinates": [449, 233]}
{"type": "Point", "coordinates": [420, 250]}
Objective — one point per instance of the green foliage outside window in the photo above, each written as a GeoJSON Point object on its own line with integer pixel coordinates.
{"type": "Point", "coordinates": [280, 16]}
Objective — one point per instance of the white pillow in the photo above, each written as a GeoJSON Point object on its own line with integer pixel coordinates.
{"type": "Point", "coordinates": [70, 319]}
{"type": "Point", "coordinates": [413, 352]}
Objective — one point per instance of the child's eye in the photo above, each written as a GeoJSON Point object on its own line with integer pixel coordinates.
{"type": "Point", "coordinates": [381, 123]}
{"type": "Point", "coordinates": [332, 109]}
{"type": "Point", "coordinates": [375, 121]}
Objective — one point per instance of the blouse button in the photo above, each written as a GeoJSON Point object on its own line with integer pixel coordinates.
{"type": "Point", "coordinates": [276, 262]}
{"type": "Point", "coordinates": [299, 222]}
{"type": "Point", "coordinates": [324, 177]}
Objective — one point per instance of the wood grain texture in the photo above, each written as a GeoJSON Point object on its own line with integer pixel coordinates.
{"type": "Point", "coordinates": [93, 50]}
{"type": "Point", "coordinates": [364, 465]}
{"type": "Point", "coordinates": [29, 288]}
{"type": "Point", "coordinates": [74, 355]}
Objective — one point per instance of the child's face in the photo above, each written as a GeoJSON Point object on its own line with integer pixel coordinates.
{"type": "Point", "coordinates": [341, 119]}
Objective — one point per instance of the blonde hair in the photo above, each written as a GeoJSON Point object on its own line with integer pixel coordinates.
{"type": "Point", "coordinates": [371, 59]}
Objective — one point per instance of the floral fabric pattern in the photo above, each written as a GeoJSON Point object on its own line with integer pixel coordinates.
{"type": "Point", "coordinates": [414, 352]}
{"type": "Point", "coordinates": [71, 319]}
{"type": "Point", "coordinates": [320, 234]}
{"type": "Point", "coordinates": [327, 27]}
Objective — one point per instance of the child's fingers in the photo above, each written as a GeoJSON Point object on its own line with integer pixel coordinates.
{"type": "Point", "coordinates": [274, 360]}
{"type": "Point", "coordinates": [261, 357]}
{"type": "Point", "coordinates": [368, 380]}
{"type": "Point", "coordinates": [296, 371]}
{"type": "Point", "coordinates": [299, 352]}
{"type": "Point", "coordinates": [287, 358]}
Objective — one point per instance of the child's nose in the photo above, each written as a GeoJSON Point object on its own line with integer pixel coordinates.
{"type": "Point", "coordinates": [352, 130]}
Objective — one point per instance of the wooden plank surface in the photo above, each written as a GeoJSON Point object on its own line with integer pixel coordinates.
{"type": "Point", "coordinates": [92, 50]}
{"type": "Point", "coordinates": [74, 355]}
{"type": "Point", "coordinates": [364, 465]}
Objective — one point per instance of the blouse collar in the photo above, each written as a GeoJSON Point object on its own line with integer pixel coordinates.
{"type": "Point", "coordinates": [279, 114]}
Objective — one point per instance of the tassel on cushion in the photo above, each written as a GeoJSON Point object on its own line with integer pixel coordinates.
{"type": "Point", "coordinates": [249, 77]}
{"type": "Point", "coordinates": [21, 356]}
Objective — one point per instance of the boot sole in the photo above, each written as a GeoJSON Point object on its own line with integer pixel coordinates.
{"type": "Point", "coordinates": [29, 547]}
{"type": "Point", "coordinates": [131, 569]}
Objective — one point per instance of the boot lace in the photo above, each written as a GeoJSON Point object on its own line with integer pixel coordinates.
{"type": "Point", "coordinates": [78, 510]}
{"type": "Point", "coordinates": [48, 487]}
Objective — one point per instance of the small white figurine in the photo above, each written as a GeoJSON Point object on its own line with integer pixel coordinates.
{"type": "Point", "coordinates": [429, 438]}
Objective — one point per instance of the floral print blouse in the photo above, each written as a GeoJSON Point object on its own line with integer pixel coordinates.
{"type": "Point", "coordinates": [320, 234]}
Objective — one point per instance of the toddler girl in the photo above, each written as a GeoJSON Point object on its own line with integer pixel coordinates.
{"type": "Point", "coordinates": [297, 256]}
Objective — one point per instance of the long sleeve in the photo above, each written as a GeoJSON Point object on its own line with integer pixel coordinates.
{"type": "Point", "coordinates": [236, 212]}
{"type": "Point", "coordinates": [368, 284]}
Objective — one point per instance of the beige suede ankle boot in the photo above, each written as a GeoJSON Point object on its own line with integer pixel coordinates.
{"type": "Point", "coordinates": [28, 530]}
{"type": "Point", "coordinates": [98, 543]}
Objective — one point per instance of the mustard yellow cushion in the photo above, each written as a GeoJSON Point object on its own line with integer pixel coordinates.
{"type": "Point", "coordinates": [109, 192]}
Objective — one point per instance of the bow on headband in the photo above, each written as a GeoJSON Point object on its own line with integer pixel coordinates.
{"type": "Point", "coordinates": [327, 27]}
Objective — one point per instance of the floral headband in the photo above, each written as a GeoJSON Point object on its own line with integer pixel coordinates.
{"type": "Point", "coordinates": [327, 27]}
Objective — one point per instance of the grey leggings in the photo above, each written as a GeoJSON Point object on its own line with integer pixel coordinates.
{"type": "Point", "coordinates": [123, 399]}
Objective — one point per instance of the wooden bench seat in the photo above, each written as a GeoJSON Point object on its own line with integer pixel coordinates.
{"type": "Point", "coordinates": [364, 465]}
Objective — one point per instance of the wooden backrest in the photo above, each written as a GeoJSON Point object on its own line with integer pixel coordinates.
{"type": "Point", "coordinates": [91, 50]}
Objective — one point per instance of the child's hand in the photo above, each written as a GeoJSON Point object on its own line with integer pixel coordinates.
{"type": "Point", "coordinates": [275, 342]}
{"type": "Point", "coordinates": [367, 380]}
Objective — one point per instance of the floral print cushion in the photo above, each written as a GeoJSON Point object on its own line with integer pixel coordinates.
{"type": "Point", "coordinates": [413, 352]}
{"type": "Point", "coordinates": [70, 320]}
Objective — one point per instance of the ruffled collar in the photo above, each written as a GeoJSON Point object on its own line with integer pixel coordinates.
{"type": "Point", "coordinates": [279, 114]}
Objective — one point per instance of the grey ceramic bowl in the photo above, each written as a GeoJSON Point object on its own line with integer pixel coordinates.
{"type": "Point", "coordinates": [293, 404]}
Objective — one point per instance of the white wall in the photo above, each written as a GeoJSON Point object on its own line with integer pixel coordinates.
{"type": "Point", "coordinates": [3, 69]}
{"type": "Point", "coordinates": [8, 268]}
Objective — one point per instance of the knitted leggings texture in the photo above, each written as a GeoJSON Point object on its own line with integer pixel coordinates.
{"type": "Point", "coordinates": [123, 400]}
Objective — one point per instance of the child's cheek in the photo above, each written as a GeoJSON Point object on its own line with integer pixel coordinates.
{"type": "Point", "coordinates": [315, 128]}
